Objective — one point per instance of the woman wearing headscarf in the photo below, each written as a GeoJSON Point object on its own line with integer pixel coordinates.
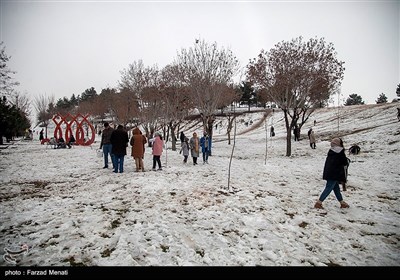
{"type": "Point", "coordinates": [334, 173]}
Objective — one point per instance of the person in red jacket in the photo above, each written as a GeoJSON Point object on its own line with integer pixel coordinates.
{"type": "Point", "coordinates": [158, 145]}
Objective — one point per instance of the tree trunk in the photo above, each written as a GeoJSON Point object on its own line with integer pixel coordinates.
{"type": "Point", "coordinates": [172, 128]}
{"type": "Point", "coordinates": [230, 126]}
{"type": "Point", "coordinates": [288, 134]}
{"type": "Point", "coordinates": [208, 123]}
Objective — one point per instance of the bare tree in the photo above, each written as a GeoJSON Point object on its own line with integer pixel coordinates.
{"type": "Point", "coordinates": [207, 70]}
{"type": "Point", "coordinates": [176, 101]}
{"type": "Point", "coordinates": [125, 107]}
{"type": "Point", "coordinates": [7, 82]}
{"type": "Point", "coordinates": [151, 116]}
{"type": "Point", "coordinates": [231, 94]}
{"type": "Point", "coordinates": [44, 106]}
{"type": "Point", "coordinates": [22, 102]}
{"type": "Point", "coordinates": [105, 103]}
{"type": "Point", "coordinates": [297, 76]}
{"type": "Point", "coordinates": [137, 77]}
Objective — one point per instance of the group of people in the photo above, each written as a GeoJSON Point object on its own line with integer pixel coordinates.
{"type": "Point", "coordinates": [59, 143]}
{"type": "Point", "coordinates": [115, 141]}
{"type": "Point", "coordinates": [193, 145]}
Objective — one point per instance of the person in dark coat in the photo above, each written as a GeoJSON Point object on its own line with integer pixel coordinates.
{"type": "Point", "coordinates": [296, 133]}
{"type": "Point", "coordinates": [105, 144]}
{"type": "Point", "coordinates": [205, 143]}
{"type": "Point", "coordinates": [311, 137]}
{"type": "Point", "coordinates": [182, 137]}
{"type": "Point", "coordinates": [71, 141]}
{"type": "Point", "coordinates": [334, 173]}
{"type": "Point", "coordinates": [398, 114]}
{"type": "Point", "coordinates": [41, 135]}
{"type": "Point", "coordinates": [119, 140]}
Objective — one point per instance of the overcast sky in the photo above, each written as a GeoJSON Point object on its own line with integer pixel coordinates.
{"type": "Point", "coordinates": [61, 48]}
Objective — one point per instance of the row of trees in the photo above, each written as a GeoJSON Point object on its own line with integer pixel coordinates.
{"type": "Point", "coordinates": [355, 99]}
{"type": "Point", "coordinates": [297, 76]}
{"type": "Point", "coordinates": [14, 107]}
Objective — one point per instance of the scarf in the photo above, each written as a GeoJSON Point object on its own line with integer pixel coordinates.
{"type": "Point", "coordinates": [196, 144]}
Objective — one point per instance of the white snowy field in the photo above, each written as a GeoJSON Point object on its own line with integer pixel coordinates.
{"type": "Point", "coordinates": [69, 211]}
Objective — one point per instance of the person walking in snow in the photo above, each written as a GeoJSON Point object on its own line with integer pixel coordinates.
{"type": "Point", "coordinates": [194, 147]}
{"type": "Point", "coordinates": [205, 144]}
{"type": "Point", "coordinates": [334, 173]}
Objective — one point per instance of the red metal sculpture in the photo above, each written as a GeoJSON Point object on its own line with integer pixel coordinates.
{"type": "Point", "coordinates": [81, 122]}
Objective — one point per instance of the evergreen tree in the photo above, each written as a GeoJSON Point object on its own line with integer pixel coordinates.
{"type": "Point", "coordinates": [354, 99]}
{"type": "Point", "coordinates": [381, 99]}
{"type": "Point", "coordinates": [6, 80]}
{"type": "Point", "coordinates": [248, 94]}
{"type": "Point", "coordinates": [398, 91]}
{"type": "Point", "coordinates": [13, 121]}
{"type": "Point", "coordinates": [88, 94]}
{"type": "Point", "coordinates": [74, 100]}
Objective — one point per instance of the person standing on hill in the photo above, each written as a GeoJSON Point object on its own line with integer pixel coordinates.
{"type": "Point", "coordinates": [119, 140]}
{"type": "Point", "coordinates": [398, 114]}
{"type": "Point", "coordinates": [182, 137]}
{"type": "Point", "coordinates": [296, 133]}
{"type": "Point", "coordinates": [311, 136]}
{"type": "Point", "coordinates": [272, 132]}
{"type": "Point", "coordinates": [334, 173]}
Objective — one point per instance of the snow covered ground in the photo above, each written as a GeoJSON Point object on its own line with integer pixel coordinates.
{"type": "Point", "coordinates": [70, 211]}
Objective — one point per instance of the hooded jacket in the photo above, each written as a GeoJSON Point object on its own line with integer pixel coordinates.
{"type": "Point", "coordinates": [335, 162]}
{"type": "Point", "coordinates": [137, 142]}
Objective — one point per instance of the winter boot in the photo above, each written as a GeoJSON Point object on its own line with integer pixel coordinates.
{"type": "Point", "coordinates": [318, 205]}
{"type": "Point", "coordinates": [343, 204]}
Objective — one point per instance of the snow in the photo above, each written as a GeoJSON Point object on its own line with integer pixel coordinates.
{"type": "Point", "coordinates": [70, 211]}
